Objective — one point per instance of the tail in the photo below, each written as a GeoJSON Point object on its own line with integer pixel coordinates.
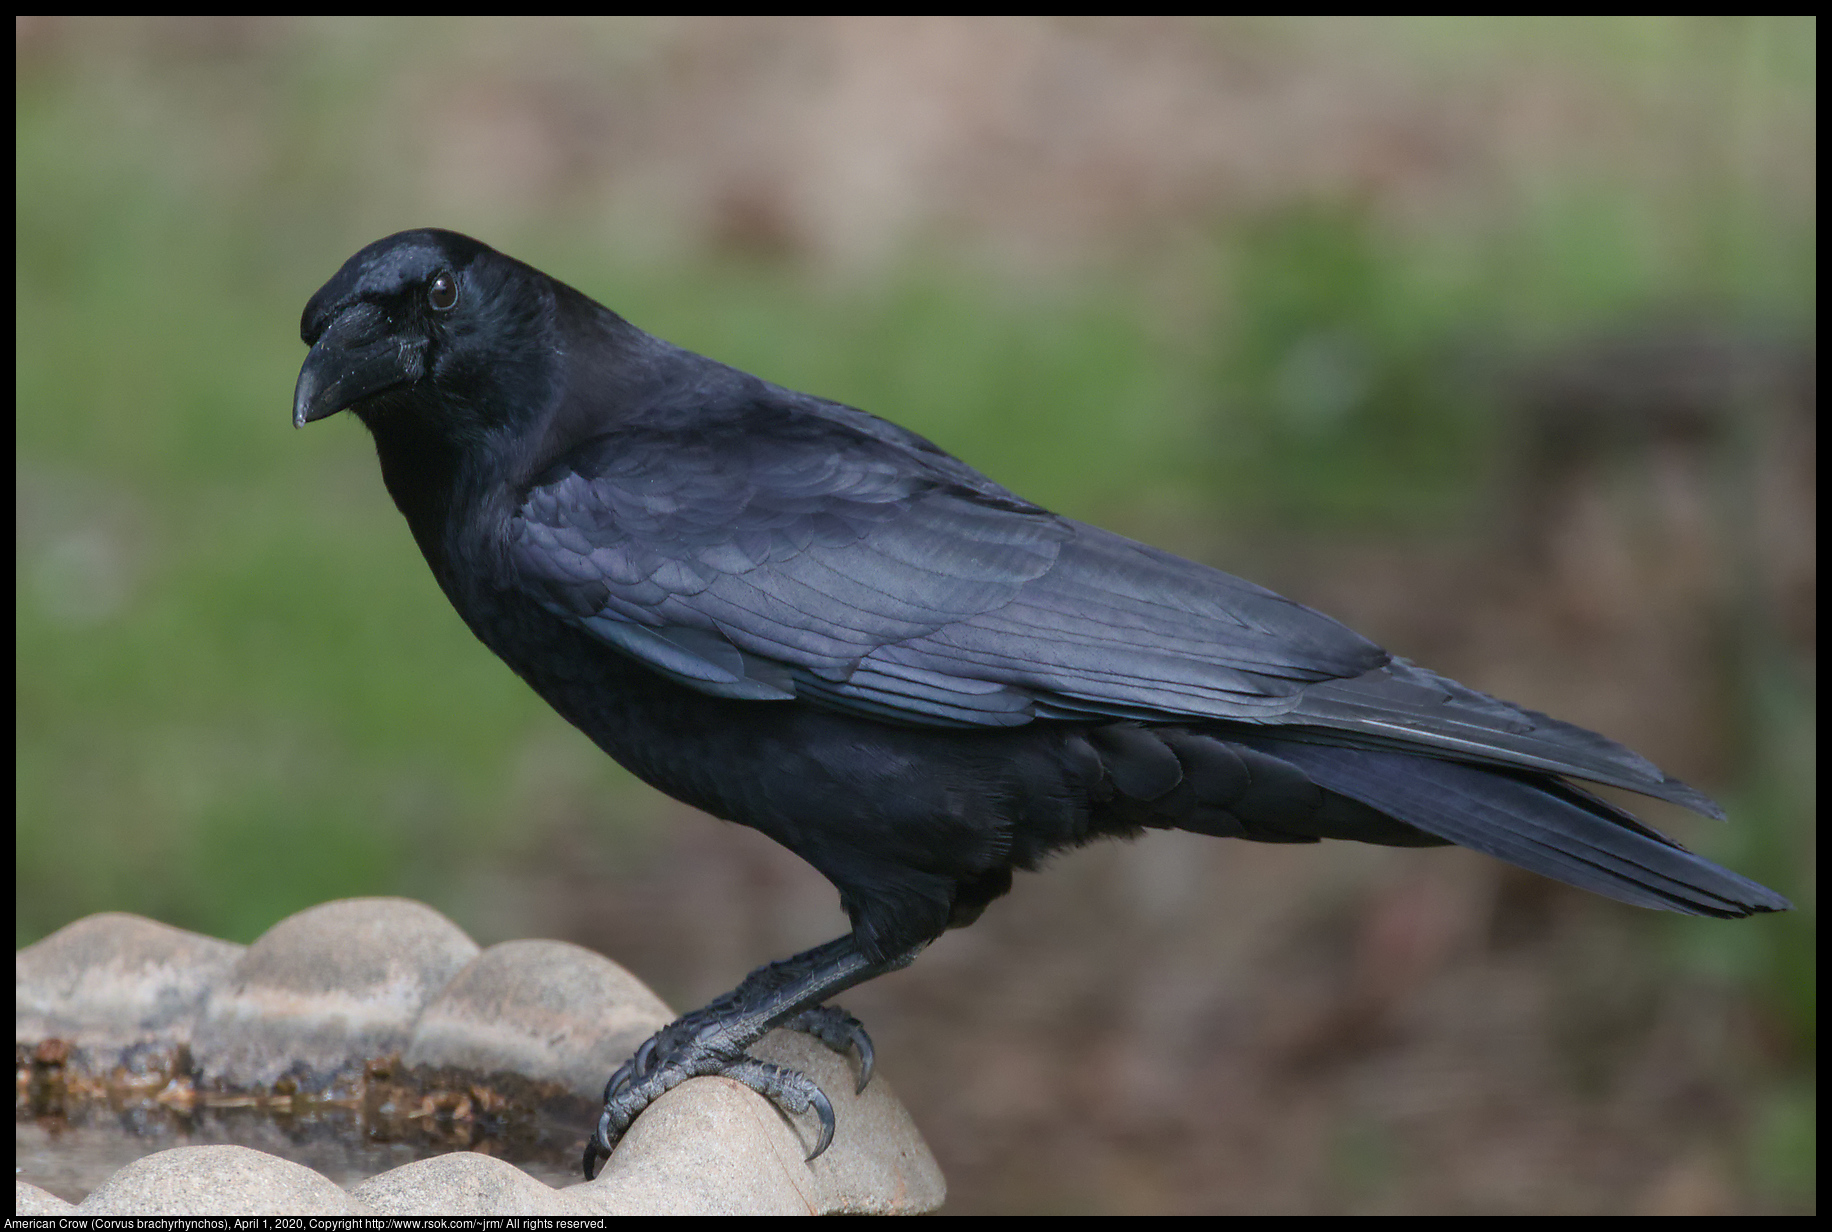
{"type": "Point", "coordinates": [1536, 821]}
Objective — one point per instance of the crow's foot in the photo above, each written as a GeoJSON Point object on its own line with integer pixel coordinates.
{"type": "Point", "coordinates": [696, 1047]}
{"type": "Point", "coordinates": [717, 1039]}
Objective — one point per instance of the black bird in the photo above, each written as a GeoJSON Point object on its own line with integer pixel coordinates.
{"type": "Point", "coordinates": [797, 616]}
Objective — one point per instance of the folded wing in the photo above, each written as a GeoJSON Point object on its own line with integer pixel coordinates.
{"type": "Point", "coordinates": [849, 571]}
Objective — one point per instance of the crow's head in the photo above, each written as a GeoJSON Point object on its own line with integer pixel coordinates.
{"type": "Point", "coordinates": [430, 325]}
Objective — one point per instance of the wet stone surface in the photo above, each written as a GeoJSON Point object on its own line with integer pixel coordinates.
{"type": "Point", "coordinates": [366, 1056]}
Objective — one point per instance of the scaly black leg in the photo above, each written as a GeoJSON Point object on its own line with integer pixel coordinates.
{"type": "Point", "coordinates": [715, 1040]}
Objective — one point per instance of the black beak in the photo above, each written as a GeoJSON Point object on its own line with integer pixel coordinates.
{"type": "Point", "coordinates": [356, 357]}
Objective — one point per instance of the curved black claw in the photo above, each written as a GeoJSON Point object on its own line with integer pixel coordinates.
{"type": "Point", "coordinates": [792, 1091]}
{"type": "Point", "coordinates": [841, 1032]}
{"type": "Point", "coordinates": [594, 1152]}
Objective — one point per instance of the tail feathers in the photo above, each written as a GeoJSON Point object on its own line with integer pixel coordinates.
{"type": "Point", "coordinates": [1537, 822]}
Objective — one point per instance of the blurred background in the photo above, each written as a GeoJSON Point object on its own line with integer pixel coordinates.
{"type": "Point", "coordinates": [1493, 338]}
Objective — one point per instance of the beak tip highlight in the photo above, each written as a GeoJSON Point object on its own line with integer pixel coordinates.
{"type": "Point", "coordinates": [308, 395]}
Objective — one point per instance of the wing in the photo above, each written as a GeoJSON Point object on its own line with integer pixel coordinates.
{"type": "Point", "coordinates": [802, 560]}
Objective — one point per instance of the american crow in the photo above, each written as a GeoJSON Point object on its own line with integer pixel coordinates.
{"type": "Point", "coordinates": [797, 616]}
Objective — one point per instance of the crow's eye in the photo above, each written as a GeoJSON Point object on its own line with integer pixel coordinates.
{"type": "Point", "coordinates": [442, 292]}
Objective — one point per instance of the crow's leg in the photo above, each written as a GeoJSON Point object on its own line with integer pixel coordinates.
{"type": "Point", "coordinates": [715, 1040]}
